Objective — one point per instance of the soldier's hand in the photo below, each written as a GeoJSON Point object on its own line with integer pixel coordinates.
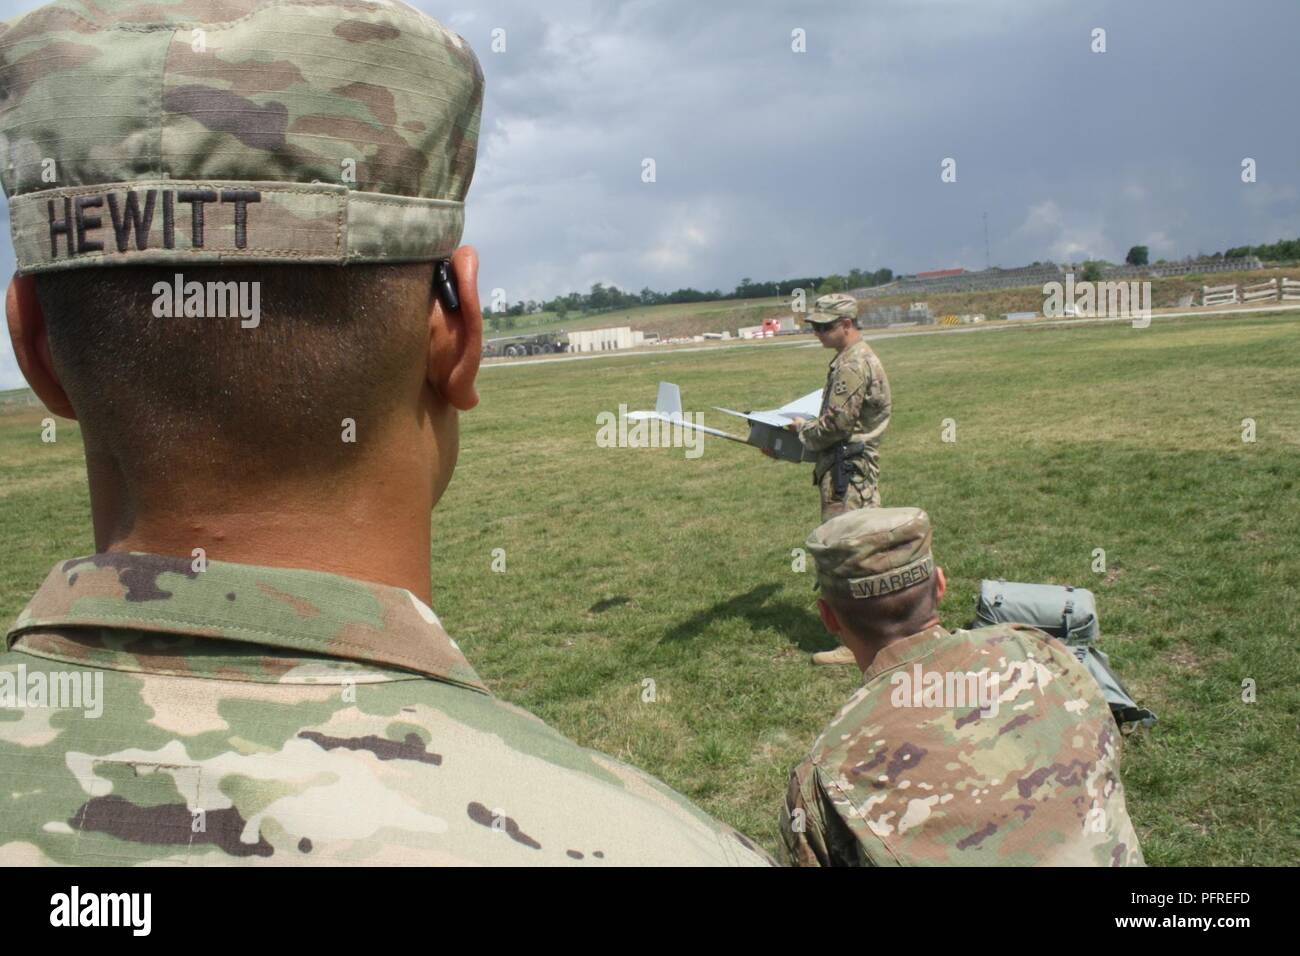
{"type": "Point", "coordinates": [796, 423]}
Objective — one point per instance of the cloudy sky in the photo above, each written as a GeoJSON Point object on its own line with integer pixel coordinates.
{"type": "Point", "coordinates": [772, 163]}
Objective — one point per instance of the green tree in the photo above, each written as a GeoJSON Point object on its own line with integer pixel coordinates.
{"type": "Point", "coordinates": [1137, 256]}
{"type": "Point", "coordinates": [832, 283]}
{"type": "Point", "coordinates": [1091, 271]}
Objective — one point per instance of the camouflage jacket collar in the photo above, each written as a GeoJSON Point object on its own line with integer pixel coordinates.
{"type": "Point", "coordinates": [906, 650]}
{"type": "Point", "coordinates": [305, 611]}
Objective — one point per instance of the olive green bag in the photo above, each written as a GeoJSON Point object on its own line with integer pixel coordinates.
{"type": "Point", "coordinates": [1066, 613]}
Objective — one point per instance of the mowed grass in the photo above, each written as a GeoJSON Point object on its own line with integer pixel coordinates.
{"type": "Point", "coordinates": [624, 566]}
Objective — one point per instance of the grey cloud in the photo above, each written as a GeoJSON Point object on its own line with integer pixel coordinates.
{"type": "Point", "coordinates": [773, 163]}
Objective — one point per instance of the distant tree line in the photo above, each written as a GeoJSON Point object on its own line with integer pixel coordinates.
{"type": "Point", "coordinates": [1286, 249]}
{"type": "Point", "coordinates": [1283, 249]}
{"type": "Point", "coordinates": [820, 285]}
{"type": "Point", "coordinates": [603, 298]}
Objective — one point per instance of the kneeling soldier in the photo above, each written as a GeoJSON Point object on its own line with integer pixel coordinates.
{"type": "Point", "coordinates": [985, 747]}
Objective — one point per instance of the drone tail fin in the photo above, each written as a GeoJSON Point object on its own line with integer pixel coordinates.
{"type": "Point", "coordinates": [668, 404]}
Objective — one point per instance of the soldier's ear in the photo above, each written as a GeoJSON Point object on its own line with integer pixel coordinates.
{"type": "Point", "coordinates": [456, 337]}
{"type": "Point", "coordinates": [31, 344]}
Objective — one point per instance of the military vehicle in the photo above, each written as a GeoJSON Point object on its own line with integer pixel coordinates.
{"type": "Point", "coordinates": [517, 346]}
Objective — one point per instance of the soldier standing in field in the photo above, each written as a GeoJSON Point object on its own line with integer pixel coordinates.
{"type": "Point", "coordinates": [985, 747]}
{"type": "Point", "coordinates": [257, 673]}
{"type": "Point", "coordinates": [855, 413]}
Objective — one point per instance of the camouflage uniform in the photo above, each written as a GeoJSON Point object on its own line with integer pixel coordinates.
{"type": "Point", "coordinates": [218, 131]}
{"type": "Point", "coordinates": [903, 775]}
{"type": "Point", "coordinates": [268, 716]}
{"type": "Point", "coordinates": [855, 410]}
{"type": "Point", "coordinates": [260, 715]}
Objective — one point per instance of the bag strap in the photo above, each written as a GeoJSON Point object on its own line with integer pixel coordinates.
{"type": "Point", "coordinates": [1132, 715]}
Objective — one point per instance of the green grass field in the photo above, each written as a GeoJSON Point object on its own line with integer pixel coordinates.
{"type": "Point", "coordinates": [624, 565]}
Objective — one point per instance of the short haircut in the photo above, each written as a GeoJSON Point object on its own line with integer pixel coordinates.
{"type": "Point", "coordinates": [333, 342]}
{"type": "Point", "coordinates": [909, 608]}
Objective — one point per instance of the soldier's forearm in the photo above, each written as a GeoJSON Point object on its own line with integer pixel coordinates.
{"type": "Point", "coordinates": [825, 431]}
{"type": "Point", "coordinates": [815, 438]}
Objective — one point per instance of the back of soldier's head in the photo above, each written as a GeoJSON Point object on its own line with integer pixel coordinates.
{"type": "Point", "coordinates": [332, 345]}
{"type": "Point", "coordinates": [875, 568]}
{"type": "Point", "coordinates": [231, 211]}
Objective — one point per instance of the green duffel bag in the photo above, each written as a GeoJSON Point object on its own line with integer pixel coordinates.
{"type": "Point", "coordinates": [1066, 613]}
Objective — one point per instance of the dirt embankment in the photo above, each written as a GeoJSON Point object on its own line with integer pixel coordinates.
{"type": "Point", "coordinates": [1165, 293]}
{"type": "Point", "coordinates": [688, 324]}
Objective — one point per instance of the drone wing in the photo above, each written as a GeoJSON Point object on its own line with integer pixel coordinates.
{"type": "Point", "coordinates": [668, 408]}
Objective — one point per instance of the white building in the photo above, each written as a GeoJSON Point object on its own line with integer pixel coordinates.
{"type": "Point", "coordinates": [604, 340]}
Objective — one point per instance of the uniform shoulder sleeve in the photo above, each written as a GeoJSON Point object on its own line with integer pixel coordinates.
{"type": "Point", "coordinates": [847, 390]}
{"type": "Point", "coordinates": [802, 825]}
{"type": "Point", "coordinates": [820, 826]}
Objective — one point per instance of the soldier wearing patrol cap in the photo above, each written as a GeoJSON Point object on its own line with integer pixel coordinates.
{"type": "Point", "coordinates": [985, 747]}
{"type": "Point", "coordinates": [855, 412]}
{"type": "Point", "coordinates": [237, 228]}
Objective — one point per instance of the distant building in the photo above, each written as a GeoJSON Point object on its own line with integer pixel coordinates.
{"type": "Point", "coordinates": [605, 340]}
{"type": "Point", "coordinates": [940, 273]}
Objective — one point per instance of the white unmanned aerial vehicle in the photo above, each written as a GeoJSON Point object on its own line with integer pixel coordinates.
{"type": "Point", "coordinates": [767, 429]}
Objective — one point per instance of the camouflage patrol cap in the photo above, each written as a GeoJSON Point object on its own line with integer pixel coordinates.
{"type": "Point", "coordinates": [218, 131]}
{"type": "Point", "coordinates": [832, 308]}
{"type": "Point", "coordinates": [871, 552]}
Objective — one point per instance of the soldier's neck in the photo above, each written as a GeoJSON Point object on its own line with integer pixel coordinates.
{"type": "Point", "coordinates": [868, 646]}
{"type": "Point", "coordinates": [372, 527]}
